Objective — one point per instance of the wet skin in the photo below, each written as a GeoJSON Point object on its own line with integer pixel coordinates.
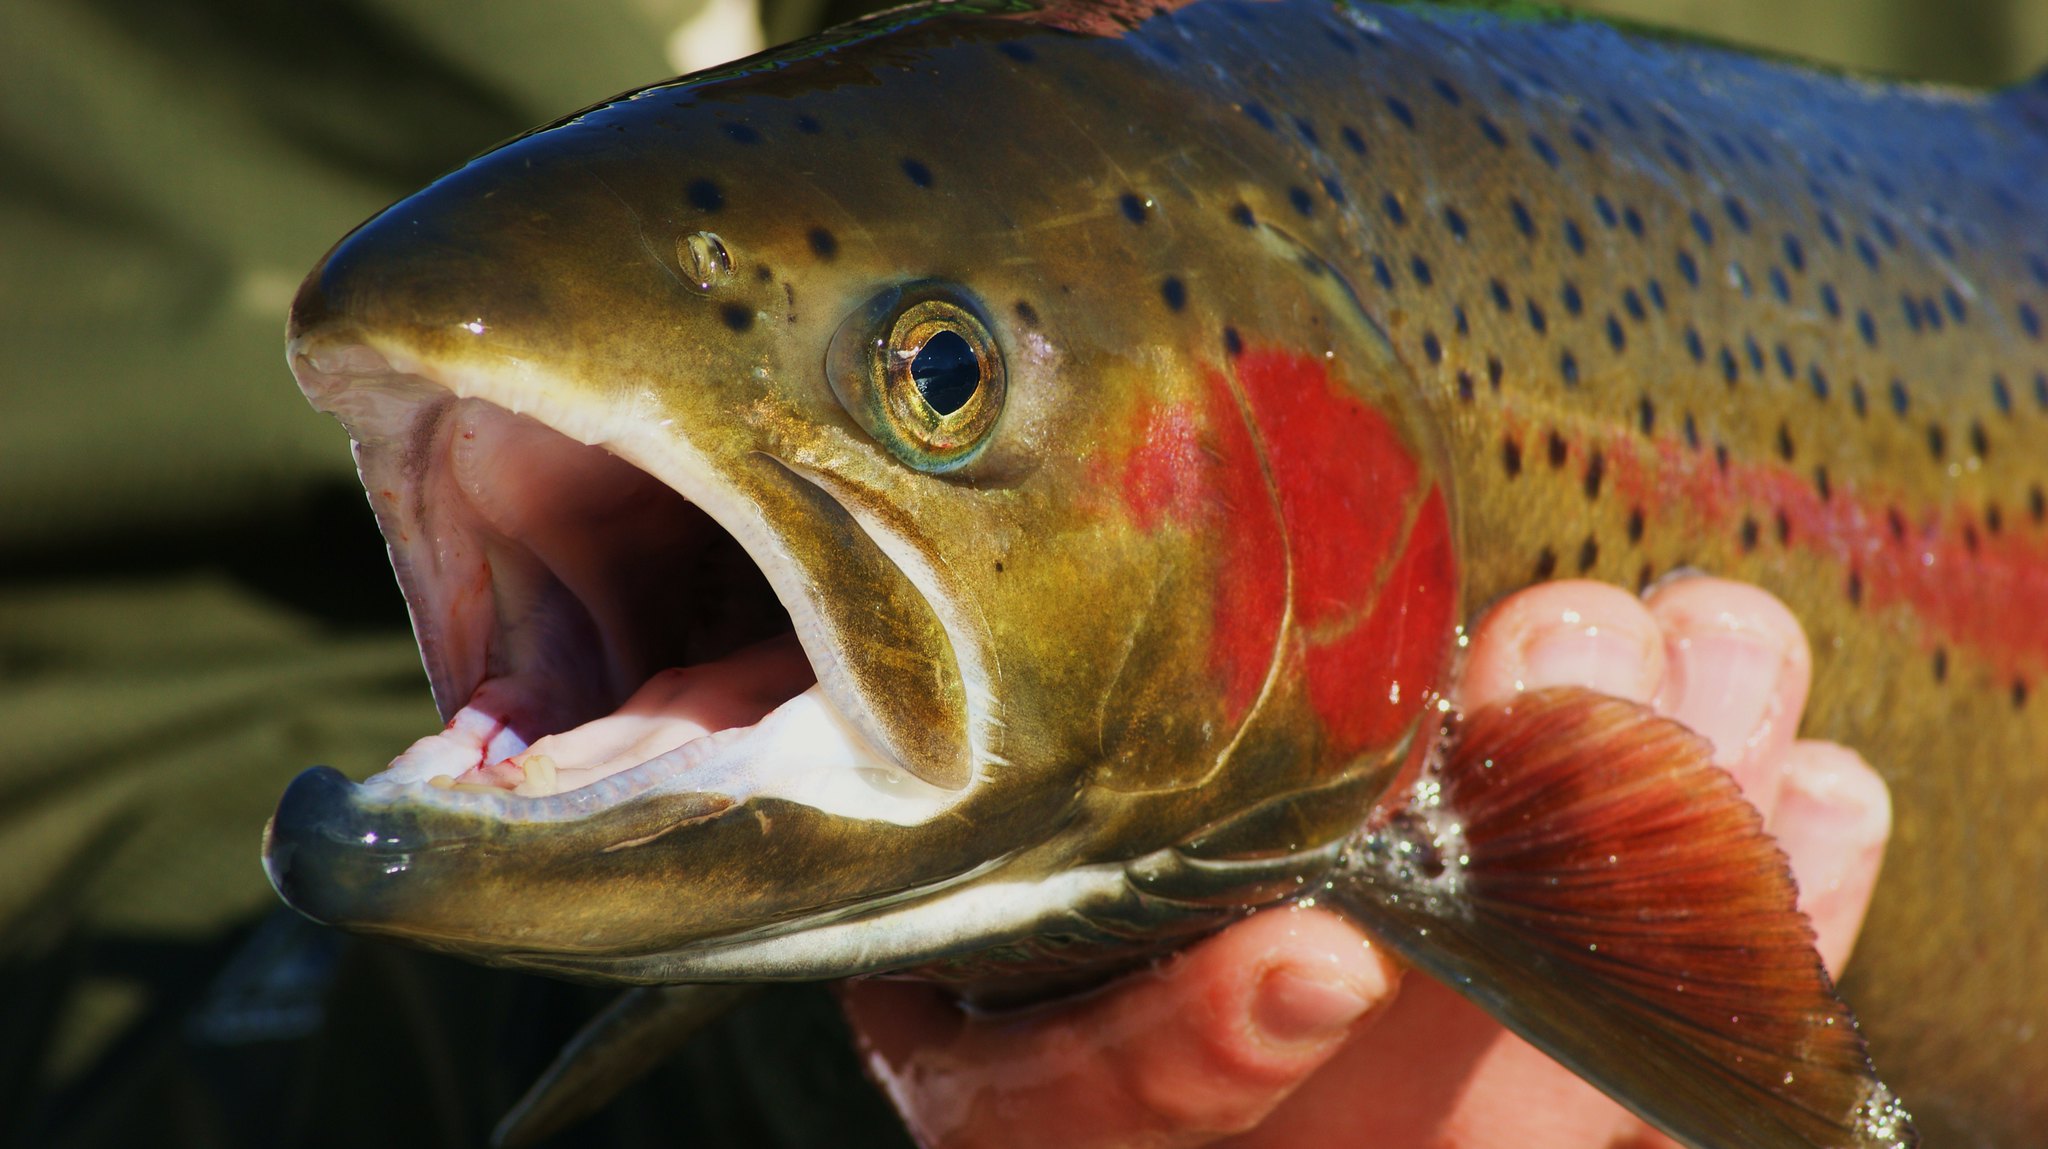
{"type": "Point", "coordinates": [1292, 1029]}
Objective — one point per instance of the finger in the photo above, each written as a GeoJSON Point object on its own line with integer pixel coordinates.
{"type": "Point", "coordinates": [1833, 817]}
{"type": "Point", "coordinates": [1572, 633]}
{"type": "Point", "coordinates": [1737, 672]}
{"type": "Point", "coordinates": [1208, 1045]}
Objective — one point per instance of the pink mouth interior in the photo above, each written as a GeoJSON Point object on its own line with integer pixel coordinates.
{"type": "Point", "coordinates": [596, 618]}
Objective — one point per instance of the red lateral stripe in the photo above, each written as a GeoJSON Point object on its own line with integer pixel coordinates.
{"type": "Point", "coordinates": [1968, 586]}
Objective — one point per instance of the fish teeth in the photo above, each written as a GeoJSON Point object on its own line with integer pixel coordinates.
{"type": "Point", "coordinates": [543, 777]}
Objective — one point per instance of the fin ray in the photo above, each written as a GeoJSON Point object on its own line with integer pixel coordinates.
{"type": "Point", "coordinates": [1578, 867]}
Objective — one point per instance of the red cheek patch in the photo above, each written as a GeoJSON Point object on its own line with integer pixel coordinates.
{"type": "Point", "coordinates": [1319, 495]}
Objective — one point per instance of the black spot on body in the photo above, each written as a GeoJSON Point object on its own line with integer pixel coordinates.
{"type": "Point", "coordinates": [1259, 115]}
{"type": "Point", "coordinates": [1596, 472]}
{"type": "Point", "coordinates": [1866, 327]}
{"type": "Point", "coordinates": [1241, 214]}
{"type": "Point", "coordinates": [1419, 267]}
{"type": "Point", "coordinates": [1396, 214]}
{"type": "Point", "coordinates": [1432, 347]}
{"type": "Point", "coordinates": [1573, 302]}
{"type": "Point", "coordinates": [1785, 448]}
{"type": "Point", "coordinates": [1499, 291]}
{"type": "Point", "coordinates": [1352, 139]}
{"type": "Point", "coordinates": [1537, 320]}
{"type": "Point", "coordinates": [1456, 223]}
{"type": "Point", "coordinates": [1233, 344]}
{"type": "Point", "coordinates": [741, 133]}
{"type": "Point", "coordinates": [705, 195]}
{"type": "Point", "coordinates": [1688, 268]}
{"type": "Point", "coordinates": [1023, 55]}
{"type": "Point", "coordinates": [1635, 525]}
{"type": "Point", "coordinates": [917, 173]}
{"type": "Point", "coordinates": [1492, 133]}
{"type": "Point", "coordinates": [1546, 564]}
{"type": "Point", "coordinates": [1616, 338]}
{"type": "Point", "coordinates": [1937, 441]}
{"type": "Point", "coordinates": [1589, 553]}
{"type": "Point", "coordinates": [1299, 197]}
{"type": "Point", "coordinates": [1524, 222]}
{"type": "Point", "coordinates": [1133, 206]}
{"type": "Point", "coordinates": [1855, 588]}
{"type": "Point", "coordinates": [1646, 415]}
{"type": "Point", "coordinates": [1750, 533]}
{"type": "Point", "coordinates": [1511, 457]}
{"type": "Point", "coordinates": [824, 244]}
{"type": "Point", "coordinates": [1940, 664]}
{"type": "Point", "coordinates": [809, 125]}
{"type": "Point", "coordinates": [737, 316]}
{"type": "Point", "coordinates": [1174, 292]}
{"type": "Point", "coordinates": [1401, 111]}
{"type": "Point", "coordinates": [1568, 366]}
{"type": "Point", "coordinates": [1027, 313]}
{"type": "Point", "coordinates": [1446, 91]}
{"type": "Point", "coordinates": [1558, 449]}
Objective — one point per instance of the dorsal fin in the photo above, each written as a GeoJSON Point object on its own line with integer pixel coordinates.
{"type": "Point", "coordinates": [1577, 867]}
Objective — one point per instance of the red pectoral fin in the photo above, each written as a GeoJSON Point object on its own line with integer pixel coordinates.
{"type": "Point", "coordinates": [1578, 867]}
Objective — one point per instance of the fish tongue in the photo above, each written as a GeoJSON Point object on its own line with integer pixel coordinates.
{"type": "Point", "coordinates": [1577, 867]}
{"type": "Point", "coordinates": [673, 707]}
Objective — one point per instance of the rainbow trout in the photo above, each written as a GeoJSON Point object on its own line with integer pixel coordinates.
{"type": "Point", "coordinates": [992, 492]}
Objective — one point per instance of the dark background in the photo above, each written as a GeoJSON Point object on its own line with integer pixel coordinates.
{"type": "Point", "coordinates": [194, 604]}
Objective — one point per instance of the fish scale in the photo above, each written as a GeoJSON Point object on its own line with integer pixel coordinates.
{"type": "Point", "coordinates": [1684, 310]}
{"type": "Point", "coordinates": [1321, 328]}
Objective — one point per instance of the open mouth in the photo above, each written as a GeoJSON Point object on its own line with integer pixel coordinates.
{"type": "Point", "coordinates": [591, 634]}
{"type": "Point", "coordinates": [597, 621]}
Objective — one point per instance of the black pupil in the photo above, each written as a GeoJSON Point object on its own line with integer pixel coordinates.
{"type": "Point", "coordinates": [946, 372]}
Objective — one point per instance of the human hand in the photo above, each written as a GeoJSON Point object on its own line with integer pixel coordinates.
{"type": "Point", "coordinates": [1291, 1029]}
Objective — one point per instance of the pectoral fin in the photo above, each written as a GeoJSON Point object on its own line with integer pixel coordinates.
{"type": "Point", "coordinates": [634, 1034]}
{"type": "Point", "coordinates": [1577, 867]}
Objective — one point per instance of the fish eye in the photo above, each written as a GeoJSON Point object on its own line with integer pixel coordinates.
{"type": "Point", "coordinates": [919, 370]}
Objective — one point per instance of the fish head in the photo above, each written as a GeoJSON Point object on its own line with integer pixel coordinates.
{"type": "Point", "coordinates": [851, 519]}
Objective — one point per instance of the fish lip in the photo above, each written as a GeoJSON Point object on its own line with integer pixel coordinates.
{"type": "Point", "coordinates": [334, 369]}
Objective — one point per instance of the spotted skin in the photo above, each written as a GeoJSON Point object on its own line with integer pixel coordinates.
{"type": "Point", "coordinates": [1326, 327]}
{"type": "Point", "coordinates": [1680, 310]}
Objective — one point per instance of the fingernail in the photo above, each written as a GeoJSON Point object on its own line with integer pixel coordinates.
{"type": "Point", "coordinates": [1611, 659]}
{"type": "Point", "coordinates": [1729, 683]}
{"type": "Point", "coordinates": [1295, 1005]}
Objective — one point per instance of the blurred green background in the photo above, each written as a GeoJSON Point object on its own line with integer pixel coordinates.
{"type": "Point", "coordinates": [194, 605]}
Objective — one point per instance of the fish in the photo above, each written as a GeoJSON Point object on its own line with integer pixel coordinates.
{"type": "Point", "coordinates": [993, 493]}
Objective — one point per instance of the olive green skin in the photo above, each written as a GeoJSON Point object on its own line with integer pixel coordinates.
{"type": "Point", "coordinates": [1112, 742]}
{"type": "Point", "coordinates": [570, 249]}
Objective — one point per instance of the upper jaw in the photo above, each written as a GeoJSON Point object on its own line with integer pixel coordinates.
{"type": "Point", "coordinates": [541, 555]}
